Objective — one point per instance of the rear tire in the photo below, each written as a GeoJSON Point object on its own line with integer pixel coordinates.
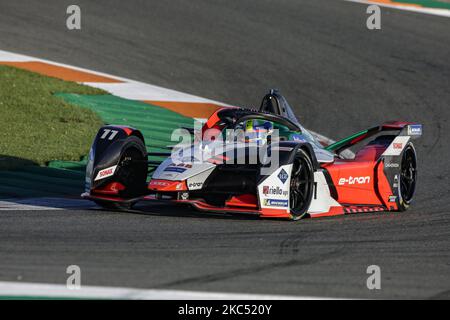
{"type": "Point", "coordinates": [408, 177]}
{"type": "Point", "coordinates": [302, 185]}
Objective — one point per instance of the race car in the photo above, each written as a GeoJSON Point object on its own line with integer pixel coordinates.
{"type": "Point", "coordinates": [258, 162]}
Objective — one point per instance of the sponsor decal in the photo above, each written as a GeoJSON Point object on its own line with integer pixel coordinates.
{"type": "Point", "coordinates": [392, 198]}
{"type": "Point", "coordinates": [298, 137]}
{"type": "Point", "coordinates": [354, 180]}
{"type": "Point", "coordinates": [163, 184]}
{"type": "Point", "coordinates": [196, 182]}
{"type": "Point", "coordinates": [275, 203]}
{"type": "Point", "coordinates": [156, 183]}
{"type": "Point", "coordinates": [178, 167]}
{"type": "Point", "coordinates": [195, 185]}
{"type": "Point", "coordinates": [168, 175]}
{"type": "Point", "coordinates": [175, 169]}
{"type": "Point", "coordinates": [108, 172]}
{"type": "Point", "coordinates": [398, 146]}
{"type": "Point", "coordinates": [415, 130]}
{"type": "Point", "coordinates": [184, 195]}
{"type": "Point", "coordinates": [185, 165]}
{"type": "Point", "coordinates": [268, 190]}
{"type": "Point", "coordinates": [283, 176]}
{"type": "Point", "coordinates": [392, 165]}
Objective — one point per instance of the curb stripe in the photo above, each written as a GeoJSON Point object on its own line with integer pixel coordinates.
{"type": "Point", "coordinates": [406, 7]}
{"type": "Point", "coordinates": [63, 73]}
{"type": "Point", "coordinates": [188, 109]}
{"type": "Point", "coordinates": [135, 90]}
{"type": "Point", "coordinates": [392, 3]}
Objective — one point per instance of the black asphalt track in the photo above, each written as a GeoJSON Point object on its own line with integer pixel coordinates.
{"type": "Point", "coordinates": [339, 76]}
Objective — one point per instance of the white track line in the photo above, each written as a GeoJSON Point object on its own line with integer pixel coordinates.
{"type": "Point", "coordinates": [44, 204]}
{"type": "Point", "coordinates": [36, 290]}
{"type": "Point", "coordinates": [433, 11]}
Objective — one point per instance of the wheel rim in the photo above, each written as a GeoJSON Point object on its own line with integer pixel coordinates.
{"type": "Point", "coordinates": [408, 175]}
{"type": "Point", "coordinates": [301, 187]}
{"type": "Point", "coordinates": [131, 168]}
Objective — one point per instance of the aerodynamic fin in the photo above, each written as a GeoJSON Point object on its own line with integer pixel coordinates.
{"type": "Point", "coordinates": [408, 129]}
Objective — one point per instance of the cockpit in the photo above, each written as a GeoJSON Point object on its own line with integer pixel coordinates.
{"type": "Point", "coordinates": [274, 115]}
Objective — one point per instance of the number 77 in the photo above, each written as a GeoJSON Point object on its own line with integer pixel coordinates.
{"type": "Point", "coordinates": [107, 131]}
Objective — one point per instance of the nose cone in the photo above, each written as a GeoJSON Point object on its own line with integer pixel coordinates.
{"type": "Point", "coordinates": [179, 171]}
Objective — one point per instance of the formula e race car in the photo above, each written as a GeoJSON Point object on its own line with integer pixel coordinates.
{"type": "Point", "coordinates": [261, 162]}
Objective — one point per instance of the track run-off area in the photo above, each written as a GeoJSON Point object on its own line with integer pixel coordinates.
{"type": "Point", "coordinates": [339, 76]}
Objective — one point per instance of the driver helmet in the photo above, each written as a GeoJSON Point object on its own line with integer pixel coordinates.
{"type": "Point", "coordinates": [257, 131]}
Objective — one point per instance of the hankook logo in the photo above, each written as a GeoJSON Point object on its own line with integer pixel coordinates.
{"type": "Point", "coordinates": [354, 180]}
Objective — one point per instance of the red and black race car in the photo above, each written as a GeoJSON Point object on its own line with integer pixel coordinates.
{"type": "Point", "coordinates": [260, 162]}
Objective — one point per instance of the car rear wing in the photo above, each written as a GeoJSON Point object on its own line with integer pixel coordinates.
{"type": "Point", "coordinates": [411, 129]}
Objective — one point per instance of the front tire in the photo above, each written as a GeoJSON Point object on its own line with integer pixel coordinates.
{"type": "Point", "coordinates": [302, 185]}
{"type": "Point", "coordinates": [131, 173]}
{"type": "Point", "coordinates": [133, 168]}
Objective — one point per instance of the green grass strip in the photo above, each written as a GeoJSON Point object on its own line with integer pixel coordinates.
{"type": "Point", "coordinates": [36, 126]}
{"type": "Point", "coordinates": [427, 3]}
{"type": "Point", "coordinates": [45, 127]}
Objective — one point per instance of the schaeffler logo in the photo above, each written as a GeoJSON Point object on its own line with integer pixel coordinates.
{"type": "Point", "coordinates": [283, 176]}
{"type": "Point", "coordinates": [354, 180]}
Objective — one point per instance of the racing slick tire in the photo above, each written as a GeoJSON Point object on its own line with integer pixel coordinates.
{"type": "Point", "coordinates": [408, 177]}
{"type": "Point", "coordinates": [302, 185]}
{"type": "Point", "coordinates": [131, 173]}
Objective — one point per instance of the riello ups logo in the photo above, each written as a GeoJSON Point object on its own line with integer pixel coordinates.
{"type": "Point", "coordinates": [277, 191]}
